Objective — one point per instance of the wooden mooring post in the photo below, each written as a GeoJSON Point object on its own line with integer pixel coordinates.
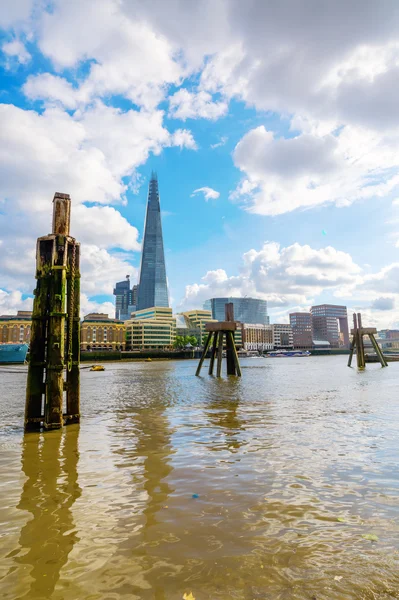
{"type": "Point", "coordinates": [55, 330]}
{"type": "Point", "coordinates": [220, 331]}
{"type": "Point", "coordinates": [357, 344]}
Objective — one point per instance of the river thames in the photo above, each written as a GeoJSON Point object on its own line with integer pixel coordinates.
{"type": "Point", "coordinates": [283, 484]}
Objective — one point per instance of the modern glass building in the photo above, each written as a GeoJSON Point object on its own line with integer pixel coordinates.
{"type": "Point", "coordinates": [123, 299]}
{"type": "Point", "coordinates": [153, 288]}
{"type": "Point", "coordinates": [246, 310]}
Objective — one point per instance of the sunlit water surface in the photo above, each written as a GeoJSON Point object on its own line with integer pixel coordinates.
{"type": "Point", "coordinates": [254, 488]}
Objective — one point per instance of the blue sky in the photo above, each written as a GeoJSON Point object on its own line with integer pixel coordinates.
{"type": "Point", "coordinates": [286, 117]}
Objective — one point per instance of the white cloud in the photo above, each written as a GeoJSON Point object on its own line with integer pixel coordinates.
{"type": "Point", "coordinates": [91, 306]}
{"type": "Point", "coordinates": [86, 154]}
{"type": "Point", "coordinates": [292, 275]}
{"type": "Point", "coordinates": [52, 88]}
{"type": "Point", "coordinates": [100, 270]}
{"type": "Point", "coordinates": [187, 105]}
{"type": "Point", "coordinates": [209, 193]}
{"type": "Point", "coordinates": [14, 11]}
{"type": "Point", "coordinates": [313, 168]}
{"type": "Point", "coordinates": [183, 138]}
{"type": "Point", "coordinates": [129, 58]}
{"type": "Point", "coordinates": [222, 142]}
{"type": "Point", "coordinates": [11, 302]}
{"type": "Point", "coordinates": [16, 49]}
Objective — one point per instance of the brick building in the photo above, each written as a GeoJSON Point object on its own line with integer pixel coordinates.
{"type": "Point", "coordinates": [302, 330]}
{"type": "Point", "coordinates": [99, 332]}
{"type": "Point", "coordinates": [15, 329]}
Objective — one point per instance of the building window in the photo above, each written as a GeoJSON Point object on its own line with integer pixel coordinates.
{"type": "Point", "coordinates": [21, 333]}
{"type": "Point", "coordinates": [94, 334]}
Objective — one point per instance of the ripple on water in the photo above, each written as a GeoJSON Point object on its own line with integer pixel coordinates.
{"type": "Point", "coordinates": [270, 486]}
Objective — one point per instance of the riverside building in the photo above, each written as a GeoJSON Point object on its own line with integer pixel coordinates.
{"type": "Point", "coordinates": [246, 310]}
{"type": "Point", "coordinates": [330, 324]}
{"type": "Point", "coordinates": [257, 336]}
{"type": "Point", "coordinates": [197, 319]}
{"type": "Point", "coordinates": [152, 288]}
{"type": "Point", "coordinates": [15, 329]}
{"type": "Point", "coordinates": [282, 336]}
{"type": "Point", "coordinates": [302, 330]}
{"type": "Point", "coordinates": [152, 328]}
{"type": "Point", "coordinates": [99, 332]}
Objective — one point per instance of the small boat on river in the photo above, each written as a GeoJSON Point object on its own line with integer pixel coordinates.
{"type": "Point", "coordinates": [13, 354]}
{"type": "Point", "coordinates": [287, 353]}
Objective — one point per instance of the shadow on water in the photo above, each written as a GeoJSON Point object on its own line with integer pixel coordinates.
{"type": "Point", "coordinates": [49, 462]}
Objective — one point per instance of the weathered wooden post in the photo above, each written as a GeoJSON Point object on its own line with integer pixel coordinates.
{"type": "Point", "coordinates": [219, 331]}
{"type": "Point", "coordinates": [57, 274]}
{"type": "Point", "coordinates": [358, 332]}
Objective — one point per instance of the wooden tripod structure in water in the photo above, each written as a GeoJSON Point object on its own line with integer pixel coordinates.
{"type": "Point", "coordinates": [55, 331]}
{"type": "Point", "coordinates": [358, 332]}
{"type": "Point", "coordinates": [217, 334]}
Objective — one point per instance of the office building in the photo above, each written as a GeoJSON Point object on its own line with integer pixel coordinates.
{"type": "Point", "coordinates": [152, 328]}
{"type": "Point", "coordinates": [153, 288]}
{"type": "Point", "coordinates": [282, 336]}
{"type": "Point", "coordinates": [123, 299]}
{"type": "Point", "coordinates": [135, 290]}
{"type": "Point", "coordinates": [330, 323]}
{"type": "Point", "coordinates": [302, 331]}
{"type": "Point", "coordinates": [198, 318]}
{"type": "Point", "coordinates": [185, 328]}
{"type": "Point", "coordinates": [99, 332]}
{"type": "Point", "coordinates": [257, 337]}
{"type": "Point", "coordinates": [246, 310]}
{"type": "Point", "coordinates": [15, 329]}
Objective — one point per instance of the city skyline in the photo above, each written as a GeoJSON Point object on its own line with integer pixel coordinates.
{"type": "Point", "coordinates": [278, 167]}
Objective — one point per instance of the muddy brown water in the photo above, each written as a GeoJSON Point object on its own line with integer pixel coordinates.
{"type": "Point", "coordinates": [259, 488]}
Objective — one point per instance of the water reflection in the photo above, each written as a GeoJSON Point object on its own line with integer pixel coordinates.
{"type": "Point", "coordinates": [222, 412]}
{"type": "Point", "coordinates": [50, 464]}
{"type": "Point", "coordinates": [143, 419]}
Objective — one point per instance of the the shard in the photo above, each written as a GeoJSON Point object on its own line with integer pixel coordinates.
{"type": "Point", "coordinates": [153, 288]}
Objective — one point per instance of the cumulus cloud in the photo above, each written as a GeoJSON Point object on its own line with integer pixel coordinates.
{"type": "Point", "coordinates": [16, 49]}
{"type": "Point", "coordinates": [283, 276]}
{"type": "Point", "coordinates": [129, 57]}
{"type": "Point", "coordinates": [313, 168]}
{"type": "Point", "coordinates": [187, 105]}
{"type": "Point", "coordinates": [52, 88]}
{"type": "Point", "coordinates": [209, 193]}
{"type": "Point", "coordinates": [12, 302]}
{"type": "Point", "coordinates": [100, 270]}
{"type": "Point", "coordinates": [17, 11]}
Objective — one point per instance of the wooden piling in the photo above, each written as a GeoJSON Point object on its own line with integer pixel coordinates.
{"type": "Point", "coordinates": [357, 343]}
{"type": "Point", "coordinates": [220, 354]}
{"type": "Point", "coordinates": [73, 337]}
{"type": "Point", "coordinates": [213, 354]}
{"type": "Point", "coordinates": [45, 383]}
{"type": "Point", "coordinates": [205, 350]}
{"type": "Point", "coordinates": [220, 331]}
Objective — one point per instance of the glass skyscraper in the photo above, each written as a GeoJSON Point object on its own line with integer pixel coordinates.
{"type": "Point", "coordinates": [123, 299]}
{"type": "Point", "coordinates": [153, 288]}
{"type": "Point", "coordinates": [246, 310]}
